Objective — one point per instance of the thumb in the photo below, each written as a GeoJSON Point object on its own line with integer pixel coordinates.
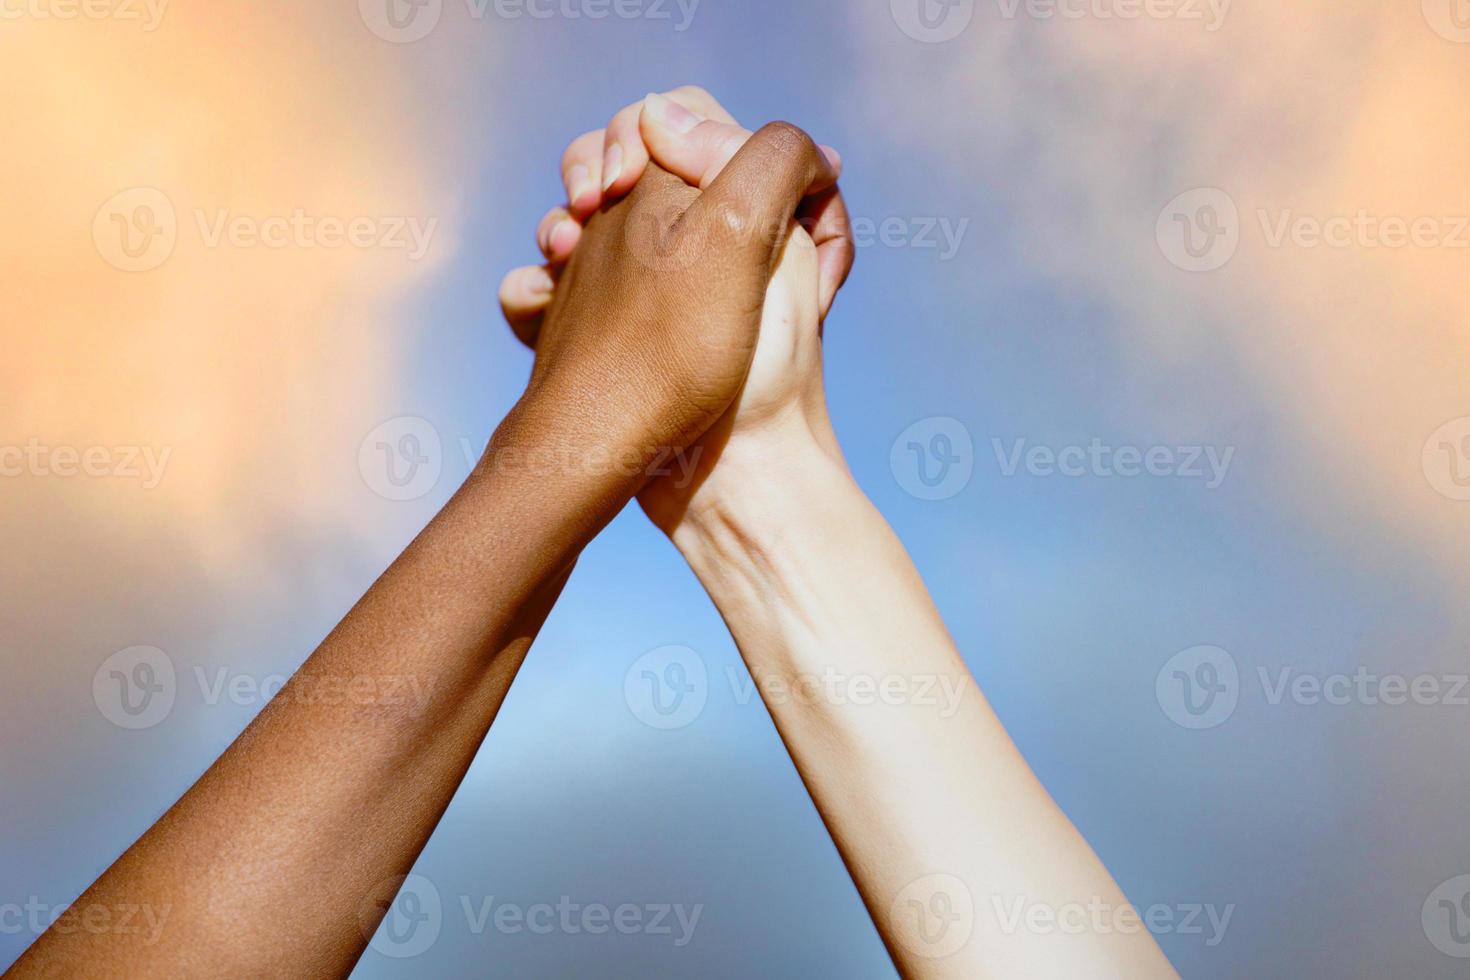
{"type": "Point", "coordinates": [749, 204]}
{"type": "Point", "coordinates": [692, 147]}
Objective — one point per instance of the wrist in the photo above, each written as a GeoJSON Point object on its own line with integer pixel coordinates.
{"type": "Point", "coordinates": [764, 489]}
{"type": "Point", "coordinates": [553, 444]}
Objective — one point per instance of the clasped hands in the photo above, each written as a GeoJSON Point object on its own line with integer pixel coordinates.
{"type": "Point", "coordinates": [680, 304]}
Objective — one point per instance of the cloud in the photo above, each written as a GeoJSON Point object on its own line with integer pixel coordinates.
{"type": "Point", "coordinates": [182, 408]}
{"type": "Point", "coordinates": [1308, 115]}
{"type": "Point", "coordinates": [212, 223]}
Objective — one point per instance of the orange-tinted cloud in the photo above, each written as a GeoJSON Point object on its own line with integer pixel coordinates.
{"type": "Point", "coordinates": [1307, 116]}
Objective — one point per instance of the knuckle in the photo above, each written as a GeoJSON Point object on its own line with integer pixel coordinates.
{"type": "Point", "coordinates": [732, 222]}
{"type": "Point", "coordinates": [626, 116]}
{"type": "Point", "coordinates": [580, 147]}
{"type": "Point", "coordinates": [789, 140]}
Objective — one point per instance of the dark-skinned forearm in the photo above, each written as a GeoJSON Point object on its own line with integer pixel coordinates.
{"type": "Point", "coordinates": [264, 865]}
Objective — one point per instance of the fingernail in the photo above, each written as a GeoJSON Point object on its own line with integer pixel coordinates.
{"type": "Point", "coordinates": [540, 284]}
{"type": "Point", "coordinates": [555, 230]}
{"type": "Point", "coordinates": [612, 165]}
{"type": "Point", "coordinates": [833, 157]}
{"type": "Point", "coordinates": [581, 180]}
{"type": "Point", "coordinates": [669, 114]}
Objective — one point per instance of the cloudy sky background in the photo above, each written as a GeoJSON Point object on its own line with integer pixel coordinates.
{"type": "Point", "coordinates": [1334, 542]}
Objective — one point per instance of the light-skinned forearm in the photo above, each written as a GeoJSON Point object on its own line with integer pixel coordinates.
{"type": "Point", "coordinates": [929, 801]}
{"type": "Point", "coordinates": [269, 865]}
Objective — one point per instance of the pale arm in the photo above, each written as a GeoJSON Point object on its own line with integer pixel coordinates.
{"type": "Point", "coordinates": [943, 826]}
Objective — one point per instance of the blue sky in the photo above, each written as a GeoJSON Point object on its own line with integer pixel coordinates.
{"type": "Point", "coordinates": [1321, 827]}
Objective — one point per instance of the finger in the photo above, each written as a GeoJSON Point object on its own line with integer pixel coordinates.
{"type": "Point", "coordinates": [581, 173]}
{"type": "Point", "coordinates": [825, 218]}
{"type": "Point", "coordinates": [557, 235]}
{"type": "Point", "coordinates": [524, 295]}
{"type": "Point", "coordinates": [748, 207]}
{"type": "Point", "coordinates": [625, 156]}
{"type": "Point", "coordinates": [695, 149]}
